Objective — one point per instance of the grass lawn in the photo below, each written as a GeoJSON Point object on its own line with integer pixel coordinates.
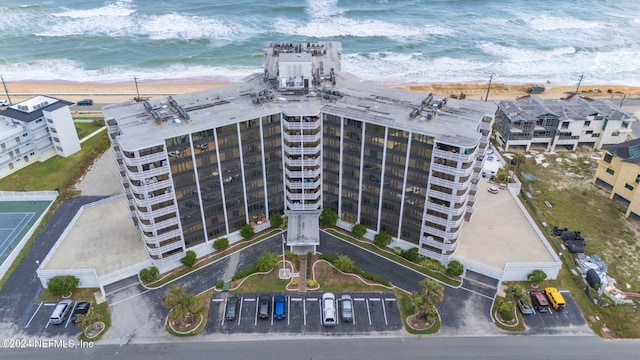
{"type": "Point", "coordinates": [580, 206]}
{"type": "Point", "coordinates": [56, 172]}
{"type": "Point", "coordinates": [85, 129]}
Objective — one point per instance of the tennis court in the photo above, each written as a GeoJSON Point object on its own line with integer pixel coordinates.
{"type": "Point", "coordinates": [16, 219]}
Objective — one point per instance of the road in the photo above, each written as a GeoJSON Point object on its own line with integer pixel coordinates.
{"type": "Point", "coordinates": [477, 348]}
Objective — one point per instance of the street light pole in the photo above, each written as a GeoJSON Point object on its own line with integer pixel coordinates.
{"type": "Point", "coordinates": [5, 90]}
{"type": "Point", "coordinates": [489, 88]}
{"type": "Point", "coordinates": [135, 79]}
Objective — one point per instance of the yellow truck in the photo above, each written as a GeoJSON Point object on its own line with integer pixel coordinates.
{"type": "Point", "coordinates": [555, 298]}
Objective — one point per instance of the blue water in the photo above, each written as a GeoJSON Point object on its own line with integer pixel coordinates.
{"type": "Point", "coordinates": [394, 41]}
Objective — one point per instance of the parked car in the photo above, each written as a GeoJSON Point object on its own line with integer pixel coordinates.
{"type": "Point", "coordinates": [85, 102]}
{"type": "Point", "coordinates": [539, 301]}
{"type": "Point", "coordinates": [346, 307]}
{"type": "Point", "coordinates": [4, 103]}
{"type": "Point", "coordinates": [525, 309]}
{"type": "Point", "coordinates": [264, 307]}
{"type": "Point", "coordinates": [61, 311]}
{"type": "Point", "coordinates": [328, 309]}
{"type": "Point", "coordinates": [80, 309]}
{"type": "Point", "coordinates": [492, 189]}
{"type": "Point", "coordinates": [555, 298]}
{"type": "Point", "coordinates": [231, 312]}
{"type": "Point", "coordinates": [278, 308]}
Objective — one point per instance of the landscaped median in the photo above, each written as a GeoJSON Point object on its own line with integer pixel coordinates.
{"type": "Point", "coordinates": [365, 244]}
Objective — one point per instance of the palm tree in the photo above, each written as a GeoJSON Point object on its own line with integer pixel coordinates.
{"type": "Point", "coordinates": [433, 290]}
{"type": "Point", "coordinates": [89, 319]}
{"type": "Point", "coordinates": [420, 304]}
{"type": "Point", "coordinates": [183, 305]}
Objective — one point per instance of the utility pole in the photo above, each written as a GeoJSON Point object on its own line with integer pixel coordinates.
{"type": "Point", "coordinates": [135, 79]}
{"type": "Point", "coordinates": [489, 88]}
{"type": "Point", "coordinates": [5, 90]}
{"type": "Point", "coordinates": [622, 101]}
{"type": "Point", "coordinates": [579, 82]}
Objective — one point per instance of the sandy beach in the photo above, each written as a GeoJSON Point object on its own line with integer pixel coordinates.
{"type": "Point", "coordinates": [105, 93]}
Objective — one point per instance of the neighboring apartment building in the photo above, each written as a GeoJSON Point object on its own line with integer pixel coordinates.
{"type": "Point", "coordinates": [300, 137]}
{"type": "Point", "coordinates": [36, 129]}
{"type": "Point", "coordinates": [530, 122]}
{"type": "Point", "coordinates": [619, 173]}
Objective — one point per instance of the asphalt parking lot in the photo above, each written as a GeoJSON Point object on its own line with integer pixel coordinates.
{"type": "Point", "coordinates": [39, 325]}
{"type": "Point", "coordinates": [555, 321]}
{"type": "Point", "coordinates": [373, 312]}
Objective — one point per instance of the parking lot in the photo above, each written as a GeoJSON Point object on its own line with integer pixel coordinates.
{"type": "Point", "coordinates": [39, 324]}
{"type": "Point", "coordinates": [555, 320]}
{"type": "Point", "coordinates": [372, 312]}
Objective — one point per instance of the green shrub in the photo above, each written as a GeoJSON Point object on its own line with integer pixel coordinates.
{"type": "Point", "coordinates": [61, 285]}
{"type": "Point", "coordinates": [245, 272]}
{"type": "Point", "coordinates": [328, 257]}
{"type": "Point", "coordinates": [267, 261]}
{"type": "Point", "coordinates": [312, 283]}
{"type": "Point", "coordinates": [221, 244]}
{"type": "Point", "coordinates": [375, 277]}
{"type": "Point", "coordinates": [411, 254]}
{"type": "Point", "coordinates": [505, 308]}
{"type": "Point", "coordinates": [246, 231]}
{"type": "Point", "coordinates": [382, 239]}
{"type": "Point", "coordinates": [294, 258]}
{"type": "Point", "coordinates": [358, 230]}
{"type": "Point", "coordinates": [220, 285]}
{"type": "Point", "coordinates": [189, 259]}
{"type": "Point", "coordinates": [344, 264]}
{"type": "Point", "coordinates": [149, 274]}
{"type": "Point", "coordinates": [276, 220]}
{"type": "Point", "coordinates": [455, 268]}
{"type": "Point", "coordinates": [398, 250]}
{"type": "Point", "coordinates": [537, 276]}
{"type": "Point", "coordinates": [328, 217]}
{"type": "Point", "coordinates": [433, 265]}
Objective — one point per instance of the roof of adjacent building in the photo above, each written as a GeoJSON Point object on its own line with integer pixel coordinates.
{"type": "Point", "coordinates": [629, 151]}
{"type": "Point", "coordinates": [145, 125]}
{"type": "Point", "coordinates": [531, 107]}
{"type": "Point", "coordinates": [32, 109]}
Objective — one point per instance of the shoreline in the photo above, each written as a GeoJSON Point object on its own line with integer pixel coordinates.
{"type": "Point", "coordinates": [110, 92]}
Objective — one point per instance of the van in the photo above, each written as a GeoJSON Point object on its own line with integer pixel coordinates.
{"type": "Point", "coordinates": [60, 312]}
{"type": "Point", "coordinates": [539, 301]}
{"type": "Point", "coordinates": [328, 309]}
{"type": "Point", "coordinates": [555, 298]}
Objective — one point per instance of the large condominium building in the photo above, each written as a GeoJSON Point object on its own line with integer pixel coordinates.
{"type": "Point", "coordinates": [619, 173]}
{"type": "Point", "coordinates": [36, 129]}
{"type": "Point", "coordinates": [300, 137]}
{"type": "Point", "coordinates": [545, 124]}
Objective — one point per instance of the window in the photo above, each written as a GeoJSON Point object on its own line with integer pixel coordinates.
{"type": "Point", "coordinates": [610, 171]}
{"type": "Point", "coordinates": [595, 135]}
{"type": "Point", "coordinates": [587, 123]}
{"type": "Point", "coordinates": [627, 186]}
{"type": "Point", "coordinates": [607, 158]}
{"type": "Point", "coordinates": [565, 125]}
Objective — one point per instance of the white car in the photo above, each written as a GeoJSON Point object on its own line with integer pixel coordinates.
{"type": "Point", "coordinates": [328, 309]}
{"type": "Point", "coordinates": [4, 103]}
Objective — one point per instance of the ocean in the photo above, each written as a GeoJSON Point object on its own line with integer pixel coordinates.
{"type": "Point", "coordinates": [389, 41]}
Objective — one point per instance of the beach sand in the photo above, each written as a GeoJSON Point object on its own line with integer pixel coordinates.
{"type": "Point", "coordinates": [105, 93]}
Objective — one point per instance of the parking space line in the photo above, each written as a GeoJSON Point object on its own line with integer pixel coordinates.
{"type": "Point", "coordinates": [69, 318]}
{"type": "Point", "coordinates": [358, 299]}
{"type": "Point", "coordinates": [312, 299]}
{"type": "Point", "coordinates": [335, 306]}
{"type": "Point", "coordinates": [353, 315]}
{"type": "Point", "coordinates": [34, 315]}
{"type": "Point", "coordinates": [250, 299]}
{"type": "Point", "coordinates": [255, 323]}
{"type": "Point", "coordinates": [368, 311]}
{"type": "Point", "coordinates": [374, 299]}
{"type": "Point", "coordinates": [48, 322]}
{"type": "Point", "coordinates": [477, 293]}
{"type": "Point", "coordinates": [320, 307]}
{"type": "Point", "coordinates": [240, 311]}
{"type": "Point", "coordinates": [384, 312]}
{"type": "Point", "coordinates": [224, 313]}
{"type": "Point", "coordinates": [304, 312]}
{"type": "Point", "coordinates": [296, 299]}
{"type": "Point", "coordinates": [390, 299]}
{"type": "Point", "coordinates": [288, 310]}
{"type": "Point", "coordinates": [217, 300]}
{"type": "Point", "coordinates": [273, 311]}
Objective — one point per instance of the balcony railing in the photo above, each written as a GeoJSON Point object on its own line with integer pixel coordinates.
{"type": "Point", "coordinates": [296, 185]}
{"type": "Point", "coordinates": [307, 162]}
{"type": "Point", "coordinates": [292, 150]}
{"type": "Point", "coordinates": [304, 197]}
{"type": "Point", "coordinates": [309, 174]}
{"type": "Point", "coordinates": [302, 138]}
{"type": "Point", "coordinates": [300, 206]}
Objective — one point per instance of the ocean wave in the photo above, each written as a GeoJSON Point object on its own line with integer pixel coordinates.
{"type": "Point", "coordinates": [522, 55]}
{"type": "Point", "coordinates": [543, 22]}
{"type": "Point", "coordinates": [110, 9]}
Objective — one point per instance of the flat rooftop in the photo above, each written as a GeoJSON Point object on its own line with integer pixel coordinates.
{"type": "Point", "coordinates": [103, 238]}
{"type": "Point", "coordinates": [149, 123]}
{"type": "Point", "coordinates": [499, 233]}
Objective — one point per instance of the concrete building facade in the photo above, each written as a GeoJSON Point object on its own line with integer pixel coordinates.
{"type": "Point", "coordinates": [530, 122]}
{"type": "Point", "coordinates": [300, 137]}
{"type": "Point", "coordinates": [619, 173]}
{"type": "Point", "coordinates": [36, 129]}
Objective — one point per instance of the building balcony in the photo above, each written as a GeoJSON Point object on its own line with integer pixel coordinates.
{"type": "Point", "coordinates": [300, 162]}
{"type": "Point", "coordinates": [449, 155]}
{"type": "Point", "coordinates": [297, 185]}
{"type": "Point", "coordinates": [151, 200]}
{"type": "Point", "coordinates": [444, 169]}
{"type": "Point", "coordinates": [438, 244]}
{"type": "Point", "coordinates": [299, 206]}
{"type": "Point", "coordinates": [446, 197]}
{"type": "Point", "coordinates": [159, 156]}
{"type": "Point", "coordinates": [156, 213]}
{"type": "Point", "coordinates": [301, 125]}
{"type": "Point", "coordinates": [151, 186]}
{"type": "Point", "coordinates": [307, 174]}
{"type": "Point", "coordinates": [163, 237]}
{"type": "Point", "coordinates": [159, 225]}
{"type": "Point", "coordinates": [443, 222]}
{"type": "Point", "coordinates": [302, 138]}
{"type": "Point", "coordinates": [304, 197]}
{"type": "Point", "coordinates": [300, 150]}
{"type": "Point", "coordinates": [161, 250]}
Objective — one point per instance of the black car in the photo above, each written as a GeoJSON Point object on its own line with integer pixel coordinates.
{"type": "Point", "coordinates": [231, 312]}
{"type": "Point", "coordinates": [81, 309]}
{"type": "Point", "coordinates": [264, 307]}
{"type": "Point", "coordinates": [85, 102]}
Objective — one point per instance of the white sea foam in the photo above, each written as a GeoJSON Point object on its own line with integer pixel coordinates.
{"type": "Point", "coordinates": [323, 9]}
{"type": "Point", "coordinates": [109, 10]}
{"type": "Point", "coordinates": [544, 22]}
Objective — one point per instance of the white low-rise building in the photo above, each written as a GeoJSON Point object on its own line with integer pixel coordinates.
{"type": "Point", "coordinates": [36, 129]}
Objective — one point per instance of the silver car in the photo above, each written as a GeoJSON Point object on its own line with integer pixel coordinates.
{"type": "Point", "coordinates": [346, 308]}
